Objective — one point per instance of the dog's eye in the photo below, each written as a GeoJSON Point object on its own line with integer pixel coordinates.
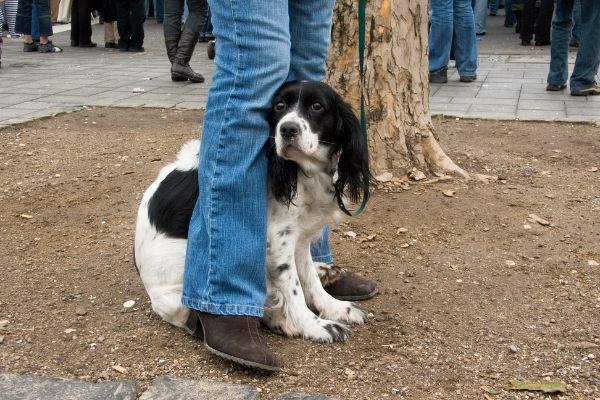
{"type": "Point", "coordinates": [316, 106]}
{"type": "Point", "coordinates": [280, 106]}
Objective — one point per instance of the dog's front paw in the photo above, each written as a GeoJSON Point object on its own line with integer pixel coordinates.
{"type": "Point", "coordinates": [345, 311]}
{"type": "Point", "coordinates": [326, 331]}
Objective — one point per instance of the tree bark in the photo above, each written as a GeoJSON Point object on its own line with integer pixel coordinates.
{"type": "Point", "coordinates": [396, 83]}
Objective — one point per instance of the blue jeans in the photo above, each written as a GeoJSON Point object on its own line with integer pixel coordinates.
{"type": "Point", "coordinates": [24, 17]}
{"type": "Point", "coordinates": [159, 10]}
{"type": "Point", "coordinates": [448, 17]}
{"type": "Point", "coordinates": [494, 6]}
{"type": "Point", "coordinates": [510, 18]}
{"type": "Point", "coordinates": [273, 41]}
{"type": "Point", "coordinates": [588, 54]}
{"type": "Point", "coordinates": [576, 32]}
{"type": "Point", "coordinates": [480, 8]}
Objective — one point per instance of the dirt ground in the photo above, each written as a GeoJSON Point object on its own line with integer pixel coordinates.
{"type": "Point", "coordinates": [472, 293]}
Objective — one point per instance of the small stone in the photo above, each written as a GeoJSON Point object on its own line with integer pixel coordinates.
{"type": "Point", "coordinates": [404, 245]}
{"type": "Point", "coordinates": [510, 263]}
{"type": "Point", "coordinates": [550, 195]}
{"type": "Point", "coordinates": [401, 230]}
{"type": "Point", "coordinates": [350, 234]}
{"type": "Point", "coordinates": [526, 226]}
{"type": "Point", "coordinates": [449, 193]}
{"type": "Point", "coordinates": [70, 330]}
{"type": "Point", "coordinates": [26, 216]}
{"type": "Point", "coordinates": [539, 220]}
{"type": "Point", "coordinates": [80, 311]}
{"type": "Point", "coordinates": [385, 177]}
{"type": "Point", "coordinates": [129, 303]}
{"type": "Point", "coordinates": [119, 369]}
{"type": "Point", "coordinates": [349, 373]}
{"type": "Point", "coordinates": [513, 349]}
{"type": "Point", "coordinates": [593, 169]}
{"type": "Point", "coordinates": [593, 263]}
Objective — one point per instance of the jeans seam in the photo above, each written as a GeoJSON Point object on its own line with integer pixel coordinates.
{"type": "Point", "coordinates": [211, 229]}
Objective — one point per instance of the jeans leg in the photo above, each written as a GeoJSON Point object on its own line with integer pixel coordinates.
{"type": "Point", "coordinates": [43, 17]}
{"type": "Point", "coordinates": [588, 55]}
{"type": "Point", "coordinates": [198, 13]}
{"type": "Point", "coordinates": [480, 15]}
{"type": "Point", "coordinates": [35, 25]}
{"type": "Point", "coordinates": [559, 48]}
{"type": "Point", "coordinates": [23, 20]}
{"type": "Point", "coordinates": [310, 32]}
{"type": "Point", "coordinates": [494, 6]}
{"type": "Point", "coordinates": [576, 32]}
{"type": "Point", "coordinates": [509, 18]}
{"type": "Point", "coordinates": [465, 43]}
{"type": "Point", "coordinates": [225, 261]}
{"type": "Point", "coordinates": [172, 17]}
{"type": "Point", "coordinates": [440, 32]}
{"type": "Point", "coordinates": [159, 11]}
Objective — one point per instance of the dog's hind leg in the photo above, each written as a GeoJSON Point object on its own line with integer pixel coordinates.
{"type": "Point", "coordinates": [316, 296]}
{"type": "Point", "coordinates": [166, 302]}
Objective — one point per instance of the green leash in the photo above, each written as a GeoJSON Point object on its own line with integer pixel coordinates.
{"type": "Point", "coordinates": [362, 5]}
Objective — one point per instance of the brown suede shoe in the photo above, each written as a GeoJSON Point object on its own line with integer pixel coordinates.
{"type": "Point", "coordinates": [235, 338]}
{"type": "Point", "coordinates": [346, 285]}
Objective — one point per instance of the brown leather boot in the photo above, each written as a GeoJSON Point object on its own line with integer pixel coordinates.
{"type": "Point", "coordinates": [345, 285]}
{"type": "Point", "coordinates": [235, 338]}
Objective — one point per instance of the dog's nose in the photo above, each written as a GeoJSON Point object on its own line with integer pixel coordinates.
{"type": "Point", "coordinates": [289, 129]}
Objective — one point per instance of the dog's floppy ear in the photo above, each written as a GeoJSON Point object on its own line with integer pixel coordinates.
{"type": "Point", "coordinates": [283, 177]}
{"type": "Point", "coordinates": [354, 176]}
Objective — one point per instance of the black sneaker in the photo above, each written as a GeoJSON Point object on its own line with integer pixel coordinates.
{"type": "Point", "coordinates": [48, 48]}
{"type": "Point", "coordinates": [440, 76]}
{"type": "Point", "coordinates": [555, 88]}
{"type": "Point", "coordinates": [468, 78]}
{"type": "Point", "coordinates": [30, 47]}
{"type": "Point", "coordinates": [591, 91]}
{"type": "Point", "coordinates": [136, 49]}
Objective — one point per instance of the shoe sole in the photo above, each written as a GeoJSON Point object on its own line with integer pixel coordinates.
{"type": "Point", "coordinates": [185, 78]}
{"type": "Point", "coordinates": [591, 92]}
{"type": "Point", "coordinates": [241, 361]}
{"type": "Point", "coordinates": [556, 88]}
{"type": "Point", "coordinates": [357, 298]}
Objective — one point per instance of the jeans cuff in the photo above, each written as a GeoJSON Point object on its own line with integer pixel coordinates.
{"type": "Point", "coordinates": [223, 309]}
{"type": "Point", "coordinates": [327, 258]}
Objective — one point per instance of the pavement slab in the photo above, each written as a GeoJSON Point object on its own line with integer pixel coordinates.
{"type": "Point", "coordinates": [31, 387]}
{"type": "Point", "coordinates": [169, 388]}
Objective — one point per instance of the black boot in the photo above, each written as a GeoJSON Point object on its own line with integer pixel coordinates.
{"type": "Point", "coordinates": [171, 42]}
{"type": "Point", "coordinates": [181, 65]}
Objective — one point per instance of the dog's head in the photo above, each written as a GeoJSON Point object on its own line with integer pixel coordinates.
{"type": "Point", "coordinates": [314, 129]}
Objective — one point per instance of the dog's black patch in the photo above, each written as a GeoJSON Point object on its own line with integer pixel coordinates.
{"type": "Point", "coordinates": [294, 292]}
{"type": "Point", "coordinates": [170, 208]}
{"type": "Point", "coordinates": [283, 267]}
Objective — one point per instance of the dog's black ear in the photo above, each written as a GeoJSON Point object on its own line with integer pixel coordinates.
{"type": "Point", "coordinates": [354, 176]}
{"type": "Point", "coordinates": [283, 177]}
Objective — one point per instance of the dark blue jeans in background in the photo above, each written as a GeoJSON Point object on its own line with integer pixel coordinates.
{"type": "Point", "coordinates": [130, 23]}
{"type": "Point", "coordinates": [25, 17]}
{"type": "Point", "coordinates": [588, 54]}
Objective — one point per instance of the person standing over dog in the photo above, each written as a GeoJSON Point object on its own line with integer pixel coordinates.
{"type": "Point", "coordinates": [261, 44]}
{"type": "Point", "coordinates": [181, 42]}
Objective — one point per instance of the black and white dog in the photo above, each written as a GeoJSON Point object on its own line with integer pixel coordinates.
{"type": "Point", "coordinates": [317, 160]}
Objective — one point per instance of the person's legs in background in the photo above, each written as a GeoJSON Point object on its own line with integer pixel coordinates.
{"type": "Point", "coordinates": [543, 23]}
{"type": "Point", "coordinates": [123, 23]}
{"type": "Point", "coordinates": [465, 42]}
{"type": "Point", "coordinates": [494, 7]}
{"type": "Point", "coordinates": [576, 31]}
{"type": "Point", "coordinates": [440, 42]}
{"type": "Point", "coordinates": [583, 79]}
{"type": "Point", "coordinates": [509, 18]}
{"type": "Point", "coordinates": [180, 67]}
{"type": "Point", "coordinates": [137, 18]}
{"type": "Point", "coordinates": [559, 47]}
{"type": "Point", "coordinates": [480, 8]}
{"type": "Point", "coordinates": [159, 9]}
{"type": "Point", "coordinates": [527, 22]}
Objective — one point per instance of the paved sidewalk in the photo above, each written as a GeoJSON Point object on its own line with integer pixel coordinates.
{"type": "Point", "coordinates": [510, 85]}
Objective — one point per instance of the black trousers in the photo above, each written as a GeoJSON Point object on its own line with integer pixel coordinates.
{"type": "Point", "coordinates": [81, 23]}
{"type": "Point", "coordinates": [540, 25]}
{"type": "Point", "coordinates": [130, 23]}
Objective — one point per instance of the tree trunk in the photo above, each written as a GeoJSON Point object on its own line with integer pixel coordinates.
{"type": "Point", "coordinates": [396, 85]}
